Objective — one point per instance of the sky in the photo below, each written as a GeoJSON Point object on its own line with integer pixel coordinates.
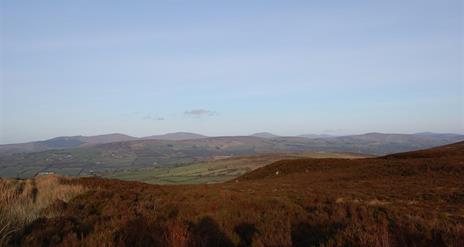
{"type": "Point", "coordinates": [230, 67]}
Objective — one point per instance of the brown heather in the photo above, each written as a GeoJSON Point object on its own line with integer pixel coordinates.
{"type": "Point", "coordinates": [411, 199]}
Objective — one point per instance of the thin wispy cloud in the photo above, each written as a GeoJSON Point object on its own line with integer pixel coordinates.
{"type": "Point", "coordinates": [199, 113]}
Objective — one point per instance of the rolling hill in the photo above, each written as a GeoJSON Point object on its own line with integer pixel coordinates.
{"type": "Point", "coordinates": [266, 135]}
{"type": "Point", "coordinates": [63, 142]}
{"type": "Point", "coordinates": [66, 142]}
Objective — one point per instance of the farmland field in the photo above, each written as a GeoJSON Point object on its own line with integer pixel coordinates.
{"type": "Point", "coordinates": [215, 171]}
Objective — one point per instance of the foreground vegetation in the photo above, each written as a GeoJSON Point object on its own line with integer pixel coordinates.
{"type": "Point", "coordinates": [23, 201]}
{"type": "Point", "coordinates": [412, 199]}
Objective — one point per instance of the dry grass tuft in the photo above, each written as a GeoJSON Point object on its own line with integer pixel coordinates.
{"type": "Point", "coordinates": [23, 201]}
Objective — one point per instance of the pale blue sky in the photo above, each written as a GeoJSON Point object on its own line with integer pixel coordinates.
{"type": "Point", "coordinates": [230, 67]}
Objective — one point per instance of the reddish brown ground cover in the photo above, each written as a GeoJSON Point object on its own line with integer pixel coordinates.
{"type": "Point", "coordinates": [411, 199]}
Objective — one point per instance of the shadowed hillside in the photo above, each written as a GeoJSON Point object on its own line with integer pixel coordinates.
{"type": "Point", "coordinates": [399, 200]}
{"type": "Point", "coordinates": [453, 151]}
{"type": "Point", "coordinates": [445, 159]}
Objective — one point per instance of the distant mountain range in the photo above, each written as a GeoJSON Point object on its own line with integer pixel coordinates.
{"type": "Point", "coordinates": [66, 142]}
{"type": "Point", "coordinates": [84, 155]}
{"type": "Point", "coordinates": [268, 135]}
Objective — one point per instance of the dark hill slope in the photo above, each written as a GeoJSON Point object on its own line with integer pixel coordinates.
{"type": "Point", "coordinates": [445, 159]}
{"type": "Point", "coordinates": [455, 150]}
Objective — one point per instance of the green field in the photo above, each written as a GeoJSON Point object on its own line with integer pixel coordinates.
{"type": "Point", "coordinates": [215, 171]}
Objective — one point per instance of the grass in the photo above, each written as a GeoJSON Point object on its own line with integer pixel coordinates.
{"type": "Point", "coordinates": [215, 171]}
{"type": "Point", "coordinates": [23, 201]}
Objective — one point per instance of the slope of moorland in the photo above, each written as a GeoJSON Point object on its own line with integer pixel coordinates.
{"type": "Point", "coordinates": [410, 199]}
{"type": "Point", "coordinates": [116, 156]}
{"type": "Point", "coordinates": [215, 171]}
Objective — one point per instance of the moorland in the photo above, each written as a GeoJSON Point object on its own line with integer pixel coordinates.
{"type": "Point", "coordinates": [406, 199]}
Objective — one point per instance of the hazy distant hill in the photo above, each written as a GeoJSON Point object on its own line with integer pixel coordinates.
{"type": "Point", "coordinates": [177, 136]}
{"type": "Point", "coordinates": [63, 142]}
{"type": "Point", "coordinates": [107, 138]}
{"type": "Point", "coordinates": [127, 155]}
{"type": "Point", "coordinates": [399, 138]}
{"type": "Point", "coordinates": [75, 141]}
{"type": "Point", "coordinates": [266, 135]}
{"type": "Point", "coordinates": [315, 136]}
{"type": "Point", "coordinates": [66, 142]}
{"type": "Point", "coordinates": [380, 143]}
{"type": "Point", "coordinates": [438, 135]}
